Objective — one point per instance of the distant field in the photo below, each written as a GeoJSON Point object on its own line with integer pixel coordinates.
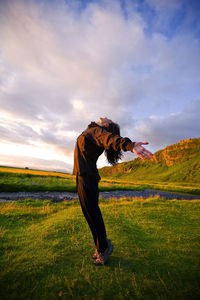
{"type": "Point", "coordinates": [13, 180]}
{"type": "Point", "coordinates": [34, 172]}
{"type": "Point", "coordinates": [46, 251]}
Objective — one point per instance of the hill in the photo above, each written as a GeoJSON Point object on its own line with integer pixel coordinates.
{"type": "Point", "coordinates": [175, 163]}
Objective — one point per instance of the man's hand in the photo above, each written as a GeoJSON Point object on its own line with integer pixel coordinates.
{"type": "Point", "coordinates": [141, 151]}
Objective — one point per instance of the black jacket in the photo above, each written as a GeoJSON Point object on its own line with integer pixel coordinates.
{"type": "Point", "coordinates": [91, 144]}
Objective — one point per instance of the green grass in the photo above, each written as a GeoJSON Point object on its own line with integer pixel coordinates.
{"type": "Point", "coordinates": [46, 250]}
{"type": "Point", "coordinates": [157, 177]}
{"type": "Point", "coordinates": [17, 180]}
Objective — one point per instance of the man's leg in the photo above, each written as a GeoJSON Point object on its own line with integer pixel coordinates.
{"type": "Point", "coordinates": [88, 193]}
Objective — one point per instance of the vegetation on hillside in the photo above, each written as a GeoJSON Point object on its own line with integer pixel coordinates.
{"type": "Point", "coordinates": [176, 163]}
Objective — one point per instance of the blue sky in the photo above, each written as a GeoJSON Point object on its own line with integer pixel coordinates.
{"type": "Point", "coordinates": [66, 63]}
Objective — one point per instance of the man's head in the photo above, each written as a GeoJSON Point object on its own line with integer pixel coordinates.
{"type": "Point", "coordinates": [112, 155]}
{"type": "Point", "coordinates": [109, 125]}
{"type": "Point", "coordinates": [104, 122]}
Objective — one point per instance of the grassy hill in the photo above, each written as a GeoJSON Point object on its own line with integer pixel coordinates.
{"type": "Point", "coordinates": [176, 163]}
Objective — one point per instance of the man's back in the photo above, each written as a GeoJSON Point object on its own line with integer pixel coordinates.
{"type": "Point", "coordinates": [91, 144]}
{"type": "Point", "coordinates": [87, 151]}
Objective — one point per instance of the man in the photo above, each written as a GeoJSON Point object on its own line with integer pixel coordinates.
{"type": "Point", "coordinates": [100, 136]}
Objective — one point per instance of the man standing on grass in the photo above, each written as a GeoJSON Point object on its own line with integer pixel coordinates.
{"type": "Point", "coordinates": [100, 136]}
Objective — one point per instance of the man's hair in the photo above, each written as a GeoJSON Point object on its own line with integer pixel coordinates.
{"type": "Point", "coordinates": [112, 155]}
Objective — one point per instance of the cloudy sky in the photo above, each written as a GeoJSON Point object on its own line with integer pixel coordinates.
{"type": "Point", "coordinates": [65, 63]}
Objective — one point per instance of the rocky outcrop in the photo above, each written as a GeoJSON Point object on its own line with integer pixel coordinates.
{"type": "Point", "coordinates": [179, 152]}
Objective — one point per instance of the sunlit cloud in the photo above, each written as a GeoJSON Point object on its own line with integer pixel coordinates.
{"type": "Point", "coordinates": [64, 64]}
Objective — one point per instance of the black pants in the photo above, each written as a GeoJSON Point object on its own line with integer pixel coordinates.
{"type": "Point", "coordinates": [87, 188]}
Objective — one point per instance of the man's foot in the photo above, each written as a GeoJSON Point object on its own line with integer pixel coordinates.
{"type": "Point", "coordinates": [96, 253]}
{"type": "Point", "coordinates": [103, 257]}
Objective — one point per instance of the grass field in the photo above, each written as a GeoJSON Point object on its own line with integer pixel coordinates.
{"type": "Point", "coordinates": [14, 180]}
{"type": "Point", "coordinates": [46, 251]}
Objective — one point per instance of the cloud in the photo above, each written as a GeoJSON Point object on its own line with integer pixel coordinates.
{"type": "Point", "coordinates": [63, 65]}
{"type": "Point", "coordinates": [17, 132]}
{"type": "Point", "coordinates": [160, 5]}
{"type": "Point", "coordinates": [57, 56]}
{"type": "Point", "coordinates": [173, 17]}
{"type": "Point", "coordinates": [34, 163]}
{"type": "Point", "coordinates": [162, 131]}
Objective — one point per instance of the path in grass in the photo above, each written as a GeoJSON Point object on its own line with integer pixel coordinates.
{"type": "Point", "coordinates": [61, 196]}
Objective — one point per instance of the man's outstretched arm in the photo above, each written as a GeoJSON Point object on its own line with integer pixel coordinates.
{"type": "Point", "coordinates": [141, 151]}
